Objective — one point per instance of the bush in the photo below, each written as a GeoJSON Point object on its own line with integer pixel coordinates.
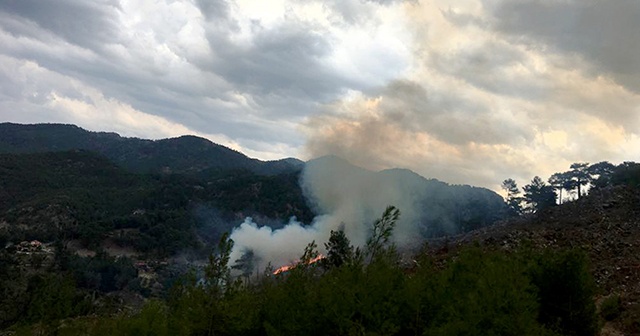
{"type": "Point", "coordinates": [482, 293]}
{"type": "Point", "coordinates": [566, 291]}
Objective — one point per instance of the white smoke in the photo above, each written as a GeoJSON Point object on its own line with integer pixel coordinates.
{"type": "Point", "coordinates": [347, 198]}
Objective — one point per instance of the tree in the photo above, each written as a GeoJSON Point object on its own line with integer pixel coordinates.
{"type": "Point", "coordinates": [339, 250]}
{"type": "Point", "coordinates": [382, 230]}
{"type": "Point", "coordinates": [246, 264]}
{"type": "Point", "coordinates": [627, 173]}
{"type": "Point", "coordinates": [539, 195]}
{"type": "Point", "coordinates": [565, 291]}
{"type": "Point", "coordinates": [217, 272]}
{"type": "Point", "coordinates": [514, 200]}
{"type": "Point", "coordinates": [560, 181]}
{"type": "Point", "coordinates": [600, 173]}
{"type": "Point", "coordinates": [579, 176]}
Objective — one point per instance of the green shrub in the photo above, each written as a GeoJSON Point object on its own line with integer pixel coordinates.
{"type": "Point", "coordinates": [483, 293]}
{"type": "Point", "coordinates": [566, 290]}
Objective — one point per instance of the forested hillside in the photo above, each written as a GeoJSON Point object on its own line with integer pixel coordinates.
{"type": "Point", "coordinates": [63, 181]}
{"type": "Point", "coordinates": [185, 154]}
{"type": "Point", "coordinates": [94, 246]}
{"type": "Point", "coordinates": [81, 195]}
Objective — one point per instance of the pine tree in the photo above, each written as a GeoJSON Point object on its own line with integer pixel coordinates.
{"type": "Point", "coordinates": [514, 200]}
{"type": "Point", "coordinates": [539, 195]}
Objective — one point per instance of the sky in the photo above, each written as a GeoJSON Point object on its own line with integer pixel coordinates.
{"type": "Point", "coordinates": [465, 91]}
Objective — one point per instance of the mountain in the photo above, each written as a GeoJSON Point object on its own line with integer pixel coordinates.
{"type": "Point", "coordinates": [84, 196]}
{"type": "Point", "coordinates": [432, 207]}
{"type": "Point", "coordinates": [81, 195]}
{"type": "Point", "coordinates": [185, 154]}
{"type": "Point", "coordinates": [440, 208]}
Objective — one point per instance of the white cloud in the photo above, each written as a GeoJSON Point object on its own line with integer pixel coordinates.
{"type": "Point", "coordinates": [246, 69]}
{"type": "Point", "coordinates": [72, 101]}
{"type": "Point", "coordinates": [469, 92]}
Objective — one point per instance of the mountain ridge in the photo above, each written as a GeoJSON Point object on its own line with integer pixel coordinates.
{"type": "Point", "coordinates": [437, 207]}
{"type": "Point", "coordinates": [183, 154]}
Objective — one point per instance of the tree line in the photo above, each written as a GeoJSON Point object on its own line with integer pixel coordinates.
{"type": "Point", "coordinates": [577, 181]}
{"type": "Point", "coordinates": [370, 290]}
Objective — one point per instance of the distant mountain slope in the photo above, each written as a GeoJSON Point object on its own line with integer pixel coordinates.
{"type": "Point", "coordinates": [185, 154]}
{"type": "Point", "coordinates": [82, 195]}
{"type": "Point", "coordinates": [430, 207]}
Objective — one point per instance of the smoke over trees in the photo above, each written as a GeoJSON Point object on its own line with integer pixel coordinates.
{"type": "Point", "coordinates": [339, 250]}
{"type": "Point", "coordinates": [518, 293]}
{"type": "Point", "coordinates": [346, 198]}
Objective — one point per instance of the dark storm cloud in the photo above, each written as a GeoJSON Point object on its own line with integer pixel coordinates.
{"type": "Point", "coordinates": [122, 72]}
{"type": "Point", "coordinates": [241, 80]}
{"type": "Point", "coordinates": [84, 23]}
{"type": "Point", "coordinates": [604, 33]}
{"type": "Point", "coordinates": [286, 60]}
{"type": "Point", "coordinates": [436, 86]}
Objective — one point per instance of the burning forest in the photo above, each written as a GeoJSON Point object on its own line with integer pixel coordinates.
{"type": "Point", "coordinates": [346, 198]}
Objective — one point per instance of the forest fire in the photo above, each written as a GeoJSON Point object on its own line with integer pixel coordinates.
{"type": "Point", "coordinates": [294, 265]}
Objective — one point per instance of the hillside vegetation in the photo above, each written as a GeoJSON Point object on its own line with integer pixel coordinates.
{"type": "Point", "coordinates": [81, 195]}
{"type": "Point", "coordinates": [185, 154]}
{"type": "Point", "coordinates": [368, 291]}
{"type": "Point", "coordinates": [98, 238]}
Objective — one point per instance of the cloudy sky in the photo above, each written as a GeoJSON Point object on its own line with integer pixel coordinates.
{"type": "Point", "coordinates": [466, 91]}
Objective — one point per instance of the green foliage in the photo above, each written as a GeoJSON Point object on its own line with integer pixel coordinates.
{"type": "Point", "coordinates": [152, 320]}
{"type": "Point", "coordinates": [101, 272]}
{"type": "Point", "coordinates": [600, 173]}
{"type": "Point", "coordinates": [561, 181]}
{"type": "Point", "coordinates": [217, 272]}
{"type": "Point", "coordinates": [485, 293]}
{"type": "Point", "coordinates": [514, 200]}
{"type": "Point", "coordinates": [13, 290]}
{"type": "Point", "coordinates": [539, 195]}
{"type": "Point", "coordinates": [339, 250]}
{"type": "Point", "coordinates": [477, 292]}
{"type": "Point", "coordinates": [310, 254]}
{"type": "Point", "coordinates": [276, 196]}
{"type": "Point", "coordinates": [566, 291]}
{"type": "Point", "coordinates": [627, 173]}
{"type": "Point", "coordinates": [185, 154]}
{"type": "Point", "coordinates": [53, 297]}
{"type": "Point", "coordinates": [579, 176]}
{"type": "Point", "coordinates": [455, 209]}
{"type": "Point", "coordinates": [474, 292]}
{"type": "Point", "coordinates": [597, 175]}
{"type": "Point", "coordinates": [84, 196]}
{"type": "Point", "coordinates": [381, 233]}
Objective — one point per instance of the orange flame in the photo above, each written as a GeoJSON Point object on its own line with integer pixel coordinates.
{"type": "Point", "coordinates": [295, 264]}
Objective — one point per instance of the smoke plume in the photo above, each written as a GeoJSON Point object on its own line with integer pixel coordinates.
{"type": "Point", "coordinates": [346, 198]}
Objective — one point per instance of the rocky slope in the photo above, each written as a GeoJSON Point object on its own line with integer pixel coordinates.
{"type": "Point", "coordinates": [605, 224]}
